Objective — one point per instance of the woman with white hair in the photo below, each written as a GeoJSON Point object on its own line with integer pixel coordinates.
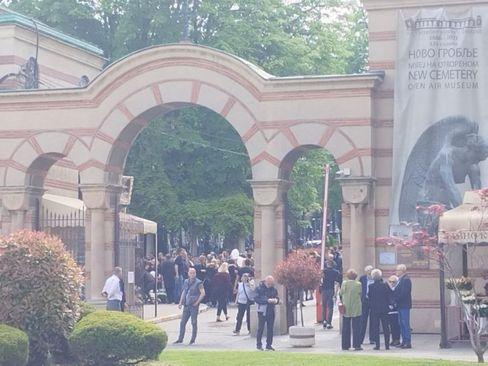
{"type": "Point", "coordinates": [222, 286]}
{"type": "Point", "coordinates": [393, 314]}
{"type": "Point", "coordinates": [380, 296]}
{"type": "Point", "coordinates": [366, 280]}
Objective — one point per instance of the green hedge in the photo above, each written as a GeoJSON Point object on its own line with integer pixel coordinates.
{"type": "Point", "coordinates": [86, 309]}
{"type": "Point", "coordinates": [105, 338]}
{"type": "Point", "coordinates": [14, 346]}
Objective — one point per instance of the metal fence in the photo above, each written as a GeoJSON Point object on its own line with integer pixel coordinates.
{"type": "Point", "coordinates": [130, 256]}
{"type": "Point", "coordinates": [68, 227]}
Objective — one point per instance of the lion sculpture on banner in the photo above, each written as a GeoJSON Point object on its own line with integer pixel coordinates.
{"type": "Point", "coordinates": [445, 154]}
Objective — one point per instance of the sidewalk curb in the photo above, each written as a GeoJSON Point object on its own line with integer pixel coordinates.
{"type": "Point", "coordinates": [167, 318]}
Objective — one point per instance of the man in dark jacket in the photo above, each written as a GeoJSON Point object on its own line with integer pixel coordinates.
{"type": "Point", "coordinates": [379, 300]}
{"type": "Point", "coordinates": [181, 269]}
{"type": "Point", "coordinates": [366, 280]}
{"type": "Point", "coordinates": [330, 283]}
{"type": "Point", "coordinates": [266, 299]}
{"type": "Point", "coordinates": [167, 270]}
{"type": "Point", "coordinates": [403, 299]}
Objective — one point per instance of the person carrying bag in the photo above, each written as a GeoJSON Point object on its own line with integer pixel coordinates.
{"type": "Point", "coordinates": [244, 300]}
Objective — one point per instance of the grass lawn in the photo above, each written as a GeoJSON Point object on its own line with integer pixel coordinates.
{"type": "Point", "coordinates": [237, 358]}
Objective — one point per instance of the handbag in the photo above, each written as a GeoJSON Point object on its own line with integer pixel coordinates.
{"type": "Point", "coordinates": [249, 301]}
{"type": "Point", "coordinates": [341, 307]}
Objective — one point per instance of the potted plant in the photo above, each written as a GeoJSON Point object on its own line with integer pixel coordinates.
{"type": "Point", "coordinates": [299, 272]}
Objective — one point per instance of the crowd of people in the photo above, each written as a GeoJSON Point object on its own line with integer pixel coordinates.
{"type": "Point", "coordinates": [219, 274]}
{"type": "Point", "coordinates": [169, 272]}
{"type": "Point", "coordinates": [218, 279]}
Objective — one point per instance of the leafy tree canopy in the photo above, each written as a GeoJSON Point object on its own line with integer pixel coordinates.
{"type": "Point", "coordinates": [284, 38]}
{"type": "Point", "coordinates": [191, 167]}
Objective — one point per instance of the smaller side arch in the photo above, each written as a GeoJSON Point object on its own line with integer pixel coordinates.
{"type": "Point", "coordinates": [29, 163]}
{"type": "Point", "coordinates": [290, 142]}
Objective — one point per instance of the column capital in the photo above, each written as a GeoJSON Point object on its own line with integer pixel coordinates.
{"type": "Point", "coordinates": [99, 196]}
{"type": "Point", "coordinates": [269, 192]}
{"type": "Point", "coordinates": [356, 190]}
{"type": "Point", "coordinates": [18, 198]}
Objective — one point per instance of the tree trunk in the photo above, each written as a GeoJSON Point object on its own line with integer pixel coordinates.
{"type": "Point", "coordinates": [481, 358]}
{"type": "Point", "coordinates": [301, 312]}
{"type": "Point", "coordinates": [193, 241]}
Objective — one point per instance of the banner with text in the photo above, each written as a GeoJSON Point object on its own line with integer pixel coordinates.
{"type": "Point", "coordinates": [441, 109]}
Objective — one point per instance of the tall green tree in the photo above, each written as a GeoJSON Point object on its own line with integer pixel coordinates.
{"type": "Point", "coordinates": [191, 167]}
{"type": "Point", "coordinates": [305, 197]}
{"type": "Point", "coordinates": [191, 171]}
{"type": "Point", "coordinates": [301, 37]}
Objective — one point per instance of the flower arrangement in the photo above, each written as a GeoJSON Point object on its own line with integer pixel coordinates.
{"type": "Point", "coordinates": [483, 194]}
{"type": "Point", "coordinates": [468, 297]}
{"type": "Point", "coordinates": [463, 283]}
{"type": "Point", "coordinates": [482, 310]}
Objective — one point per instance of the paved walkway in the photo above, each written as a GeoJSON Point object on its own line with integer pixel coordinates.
{"type": "Point", "coordinates": [218, 336]}
{"type": "Point", "coordinates": [165, 312]}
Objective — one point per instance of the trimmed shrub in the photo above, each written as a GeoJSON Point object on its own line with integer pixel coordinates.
{"type": "Point", "coordinates": [106, 338]}
{"type": "Point", "coordinates": [86, 309]}
{"type": "Point", "coordinates": [39, 291]}
{"type": "Point", "coordinates": [14, 346]}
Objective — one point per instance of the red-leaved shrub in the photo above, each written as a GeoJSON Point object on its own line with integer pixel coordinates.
{"type": "Point", "coordinates": [39, 291]}
{"type": "Point", "coordinates": [299, 271]}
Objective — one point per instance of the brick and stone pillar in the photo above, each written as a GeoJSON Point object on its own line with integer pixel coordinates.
{"type": "Point", "coordinates": [356, 194]}
{"type": "Point", "coordinates": [269, 224]}
{"type": "Point", "coordinates": [20, 208]}
{"type": "Point", "coordinates": [269, 238]}
{"type": "Point", "coordinates": [99, 236]}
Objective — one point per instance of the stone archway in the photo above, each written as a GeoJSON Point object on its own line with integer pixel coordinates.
{"type": "Point", "coordinates": [96, 125]}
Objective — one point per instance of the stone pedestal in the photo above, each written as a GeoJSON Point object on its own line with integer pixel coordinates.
{"type": "Point", "coordinates": [302, 336]}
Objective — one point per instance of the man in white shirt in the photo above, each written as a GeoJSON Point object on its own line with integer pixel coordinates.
{"type": "Point", "coordinates": [112, 290]}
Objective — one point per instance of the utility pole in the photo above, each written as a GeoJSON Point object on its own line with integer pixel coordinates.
{"type": "Point", "coordinates": [324, 215]}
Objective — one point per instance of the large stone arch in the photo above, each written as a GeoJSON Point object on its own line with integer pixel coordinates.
{"type": "Point", "coordinates": [122, 124]}
{"type": "Point", "coordinates": [149, 83]}
{"type": "Point", "coordinates": [95, 126]}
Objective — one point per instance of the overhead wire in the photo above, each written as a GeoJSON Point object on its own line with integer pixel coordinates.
{"type": "Point", "coordinates": [205, 145]}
